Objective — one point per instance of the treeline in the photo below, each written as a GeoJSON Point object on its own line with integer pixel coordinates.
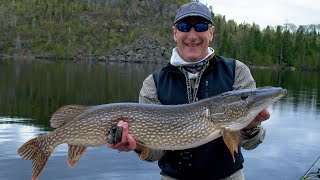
{"type": "Point", "coordinates": [66, 28]}
{"type": "Point", "coordinates": [282, 46]}
{"type": "Point", "coordinates": [69, 28]}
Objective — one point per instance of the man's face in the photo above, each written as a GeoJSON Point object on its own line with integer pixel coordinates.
{"type": "Point", "coordinates": [193, 46]}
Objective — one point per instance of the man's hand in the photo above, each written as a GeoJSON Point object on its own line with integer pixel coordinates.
{"type": "Point", "coordinates": [128, 143]}
{"type": "Point", "coordinates": [262, 116]}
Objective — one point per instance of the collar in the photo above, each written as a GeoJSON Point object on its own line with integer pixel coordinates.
{"type": "Point", "coordinates": [176, 60]}
{"type": "Point", "coordinates": [214, 60]}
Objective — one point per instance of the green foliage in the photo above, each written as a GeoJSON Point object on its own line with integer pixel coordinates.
{"type": "Point", "coordinates": [283, 46]}
{"type": "Point", "coordinates": [67, 28]}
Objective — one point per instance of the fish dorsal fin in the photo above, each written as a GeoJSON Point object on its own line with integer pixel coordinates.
{"type": "Point", "coordinates": [75, 153]}
{"type": "Point", "coordinates": [66, 114]}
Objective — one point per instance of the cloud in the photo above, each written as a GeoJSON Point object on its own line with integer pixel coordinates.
{"type": "Point", "coordinates": [271, 12]}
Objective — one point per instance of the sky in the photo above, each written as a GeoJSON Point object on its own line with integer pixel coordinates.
{"type": "Point", "coordinates": [268, 12]}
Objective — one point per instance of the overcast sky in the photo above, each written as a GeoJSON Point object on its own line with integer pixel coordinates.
{"type": "Point", "coordinates": [268, 12]}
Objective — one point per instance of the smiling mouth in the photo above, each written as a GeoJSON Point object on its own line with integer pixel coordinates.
{"type": "Point", "coordinates": [192, 45]}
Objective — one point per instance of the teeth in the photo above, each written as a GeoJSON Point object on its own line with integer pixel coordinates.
{"type": "Point", "coordinates": [192, 45]}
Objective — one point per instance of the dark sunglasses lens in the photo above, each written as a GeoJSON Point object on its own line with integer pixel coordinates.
{"type": "Point", "coordinates": [184, 27]}
{"type": "Point", "coordinates": [201, 27]}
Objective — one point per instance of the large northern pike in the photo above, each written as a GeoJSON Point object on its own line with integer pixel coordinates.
{"type": "Point", "coordinates": [166, 127]}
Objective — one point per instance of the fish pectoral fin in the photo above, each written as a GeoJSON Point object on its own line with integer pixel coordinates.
{"type": "Point", "coordinates": [231, 140]}
{"type": "Point", "coordinates": [66, 114]}
{"type": "Point", "coordinates": [144, 153]}
{"type": "Point", "coordinates": [74, 154]}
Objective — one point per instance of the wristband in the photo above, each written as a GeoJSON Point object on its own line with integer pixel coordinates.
{"type": "Point", "coordinates": [251, 132]}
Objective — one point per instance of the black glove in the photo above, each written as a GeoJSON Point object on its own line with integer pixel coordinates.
{"type": "Point", "coordinates": [115, 134]}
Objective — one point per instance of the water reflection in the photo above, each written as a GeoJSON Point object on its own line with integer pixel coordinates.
{"type": "Point", "coordinates": [12, 134]}
{"type": "Point", "coordinates": [96, 163]}
{"type": "Point", "coordinates": [292, 142]}
{"type": "Point", "coordinates": [36, 89]}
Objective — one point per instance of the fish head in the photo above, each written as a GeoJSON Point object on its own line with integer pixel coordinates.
{"type": "Point", "coordinates": [236, 109]}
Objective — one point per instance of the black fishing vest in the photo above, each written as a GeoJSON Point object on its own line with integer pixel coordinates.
{"type": "Point", "coordinates": [209, 161]}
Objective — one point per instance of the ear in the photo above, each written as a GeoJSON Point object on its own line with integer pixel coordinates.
{"type": "Point", "coordinates": [211, 29]}
{"type": "Point", "coordinates": [175, 31]}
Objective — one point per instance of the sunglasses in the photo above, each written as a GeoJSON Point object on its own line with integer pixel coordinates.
{"type": "Point", "coordinates": [199, 27]}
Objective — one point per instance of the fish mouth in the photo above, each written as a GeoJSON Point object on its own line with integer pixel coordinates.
{"type": "Point", "coordinates": [271, 93]}
{"type": "Point", "coordinates": [263, 97]}
{"type": "Point", "coordinates": [259, 98]}
{"type": "Point", "coordinates": [258, 94]}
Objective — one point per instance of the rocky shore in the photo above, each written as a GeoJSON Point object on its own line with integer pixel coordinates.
{"type": "Point", "coordinates": [146, 49]}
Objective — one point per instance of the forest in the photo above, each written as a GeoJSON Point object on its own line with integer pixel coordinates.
{"type": "Point", "coordinates": [66, 28]}
{"type": "Point", "coordinates": [280, 46]}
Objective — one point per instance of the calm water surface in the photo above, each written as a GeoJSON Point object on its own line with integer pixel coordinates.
{"type": "Point", "coordinates": [31, 91]}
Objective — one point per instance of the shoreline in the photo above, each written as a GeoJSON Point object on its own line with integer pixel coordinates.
{"type": "Point", "coordinates": [122, 59]}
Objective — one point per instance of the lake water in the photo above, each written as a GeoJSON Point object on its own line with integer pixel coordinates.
{"type": "Point", "coordinates": [30, 91]}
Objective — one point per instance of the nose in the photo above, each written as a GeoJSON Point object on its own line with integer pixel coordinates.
{"type": "Point", "coordinates": [192, 33]}
{"type": "Point", "coordinates": [192, 30]}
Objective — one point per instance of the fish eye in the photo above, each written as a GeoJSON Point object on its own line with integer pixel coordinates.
{"type": "Point", "coordinates": [244, 97]}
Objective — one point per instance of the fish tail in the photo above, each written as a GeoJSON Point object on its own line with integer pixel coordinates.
{"type": "Point", "coordinates": [35, 150]}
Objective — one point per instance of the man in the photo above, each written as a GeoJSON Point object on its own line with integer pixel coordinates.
{"type": "Point", "coordinates": [195, 73]}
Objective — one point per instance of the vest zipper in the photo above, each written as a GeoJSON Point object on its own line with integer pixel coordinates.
{"type": "Point", "coordinates": [207, 89]}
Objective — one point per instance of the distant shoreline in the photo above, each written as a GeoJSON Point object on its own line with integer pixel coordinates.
{"type": "Point", "coordinates": [115, 60]}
